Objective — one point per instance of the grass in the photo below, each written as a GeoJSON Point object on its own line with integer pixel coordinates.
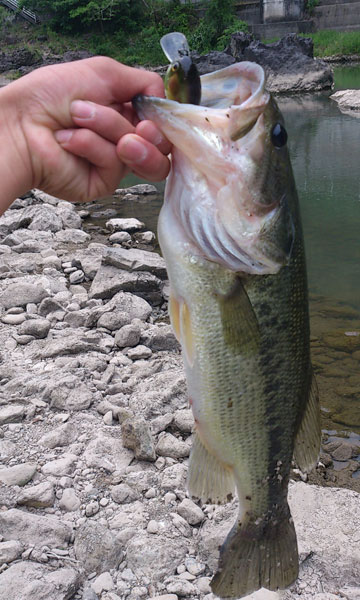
{"type": "Point", "coordinates": [335, 43]}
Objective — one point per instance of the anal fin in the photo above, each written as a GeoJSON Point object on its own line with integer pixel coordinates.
{"type": "Point", "coordinates": [209, 479]}
{"type": "Point", "coordinates": [308, 437]}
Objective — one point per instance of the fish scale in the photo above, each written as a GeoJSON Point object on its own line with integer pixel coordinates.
{"type": "Point", "coordinates": [230, 233]}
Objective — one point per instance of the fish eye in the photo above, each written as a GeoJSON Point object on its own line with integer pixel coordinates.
{"type": "Point", "coordinates": [175, 67]}
{"type": "Point", "coordinates": [278, 135]}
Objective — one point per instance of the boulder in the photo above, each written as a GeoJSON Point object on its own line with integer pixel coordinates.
{"type": "Point", "coordinates": [348, 101]}
{"type": "Point", "coordinates": [213, 61]}
{"type": "Point", "coordinates": [289, 64]}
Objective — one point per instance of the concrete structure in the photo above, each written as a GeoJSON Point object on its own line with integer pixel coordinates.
{"type": "Point", "coordinates": [341, 15]}
{"type": "Point", "coordinates": [282, 10]}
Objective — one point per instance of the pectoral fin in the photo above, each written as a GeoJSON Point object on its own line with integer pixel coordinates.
{"type": "Point", "coordinates": [308, 438]}
{"type": "Point", "coordinates": [239, 322]}
{"type": "Point", "coordinates": [174, 311]}
{"type": "Point", "coordinates": [181, 323]}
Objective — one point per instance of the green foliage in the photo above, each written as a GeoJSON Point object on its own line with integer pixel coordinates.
{"type": "Point", "coordinates": [87, 15]}
{"type": "Point", "coordinates": [235, 26]}
{"type": "Point", "coordinates": [335, 43]}
{"type": "Point", "coordinates": [311, 5]}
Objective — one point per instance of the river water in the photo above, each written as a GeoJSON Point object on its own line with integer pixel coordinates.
{"type": "Point", "coordinates": [324, 146]}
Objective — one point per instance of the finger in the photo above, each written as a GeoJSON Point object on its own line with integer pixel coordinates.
{"type": "Point", "coordinates": [105, 121]}
{"type": "Point", "coordinates": [121, 81]}
{"type": "Point", "coordinates": [98, 152]}
{"type": "Point", "coordinates": [149, 131]}
{"type": "Point", "coordinates": [143, 158]}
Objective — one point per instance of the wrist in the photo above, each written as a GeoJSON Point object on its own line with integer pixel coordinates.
{"type": "Point", "coordinates": [15, 167]}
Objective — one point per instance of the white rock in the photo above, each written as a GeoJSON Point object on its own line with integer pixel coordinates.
{"type": "Point", "coordinates": [124, 225]}
{"type": "Point", "coordinates": [181, 588]}
{"type": "Point", "coordinates": [69, 500]}
{"type": "Point", "coordinates": [92, 508]}
{"type": "Point", "coordinates": [174, 477]}
{"type": "Point", "coordinates": [61, 436]}
{"type": "Point", "coordinates": [108, 417]}
{"type": "Point", "coordinates": [203, 584]}
{"type": "Point", "coordinates": [120, 237]}
{"type": "Point", "coordinates": [18, 475]}
{"type": "Point", "coordinates": [10, 551]}
{"type": "Point", "coordinates": [152, 527]}
{"type": "Point", "coordinates": [139, 352]}
{"type": "Point", "coordinates": [38, 496]}
{"type": "Point", "coordinates": [32, 530]}
{"type": "Point", "coordinates": [191, 513]}
{"type": "Point", "coordinates": [128, 335]}
{"type": "Point", "coordinates": [12, 413]}
{"type": "Point", "coordinates": [103, 583]}
{"type": "Point", "coordinates": [61, 466]}
{"type": "Point", "coordinates": [13, 319]}
{"type": "Point", "coordinates": [123, 494]}
{"type": "Point", "coordinates": [73, 236]}
{"type": "Point", "coordinates": [194, 566]}
{"type": "Point", "coordinates": [77, 276]}
{"type": "Point", "coordinates": [169, 445]}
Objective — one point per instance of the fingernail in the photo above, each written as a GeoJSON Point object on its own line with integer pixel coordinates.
{"type": "Point", "coordinates": [135, 151]}
{"type": "Point", "coordinates": [82, 110]}
{"type": "Point", "coordinates": [63, 135]}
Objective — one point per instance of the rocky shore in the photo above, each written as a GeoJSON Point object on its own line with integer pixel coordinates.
{"type": "Point", "coordinates": [95, 428]}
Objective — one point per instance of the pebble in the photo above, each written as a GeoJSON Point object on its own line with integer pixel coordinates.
{"type": "Point", "coordinates": [10, 551]}
{"type": "Point", "coordinates": [139, 352]}
{"type": "Point", "coordinates": [92, 509]}
{"type": "Point", "coordinates": [103, 583]}
{"type": "Point", "coordinates": [165, 597]}
{"type": "Point", "coordinates": [190, 512]}
{"type": "Point", "coordinates": [123, 494]}
{"type": "Point", "coordinates": [181, 588]}
{"type": "Point", "coordinates": [38, 328]}
{"type": "Point", "coordinates": [12, 413]}
{"type": "Point", "coordinates": [120, 237]}
{"type": "Point", "coordinates": [77, 276]}
{"type": "Point", "coordinates": [169, 445]}
{"type": "Point", "coordinates": [128, 335]}
{"type": "Point", "coordinates": [136, 435]}
{"type": "Point", "coordinates": [69, 501]}
{"type": "Point", "coordinates": [169, 498]}
{"type": "Point", "coordinates": [13, 319]}
{"type": "Point", "coordinates": [194, 567]}
{"type": "Point", "coordinates": [152, 527]}
{"type": "Point", "coordinates": [37, 496]}
{"type": "Point", "coordinates": [18, 474]}
{"type": "Point", "coordinates": [124, 225]}
{"type": "Point", "coordinates": [108, 418]}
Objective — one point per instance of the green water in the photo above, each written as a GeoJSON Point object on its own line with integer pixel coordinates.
{"type": "Point", "coordinates": [324, 146]}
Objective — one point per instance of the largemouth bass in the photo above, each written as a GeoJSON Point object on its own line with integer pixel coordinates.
{"type": "Point", "coordinates": [231, 236]}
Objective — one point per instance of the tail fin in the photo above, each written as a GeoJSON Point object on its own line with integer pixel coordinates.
{"type": "Point", "coordinates": [256, 555]}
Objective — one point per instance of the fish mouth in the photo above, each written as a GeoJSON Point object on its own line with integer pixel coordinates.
{"type": "Point", "coordinates": [219, 148]}
{"type": "Point", "coordinates": [232, 99]}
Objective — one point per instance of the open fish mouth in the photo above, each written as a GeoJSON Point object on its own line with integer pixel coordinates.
{"type": "Point", "coordinates": [222, 159]}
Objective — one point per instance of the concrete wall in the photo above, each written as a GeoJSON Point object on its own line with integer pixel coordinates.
{"type": "Point", "coordinates": [283, 10]}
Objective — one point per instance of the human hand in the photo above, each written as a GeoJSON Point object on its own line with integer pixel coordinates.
{"type": "Point", "coordinates": [71, 131]}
